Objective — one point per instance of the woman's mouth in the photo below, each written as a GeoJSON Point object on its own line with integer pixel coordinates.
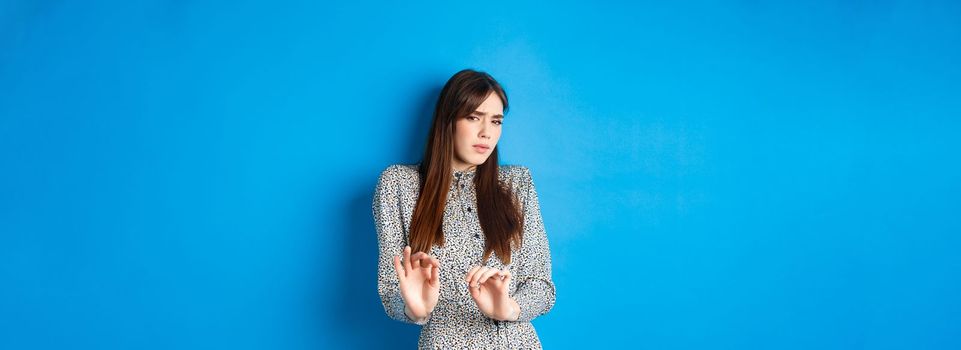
{"type": "Point", "coordinates": [481, 148]}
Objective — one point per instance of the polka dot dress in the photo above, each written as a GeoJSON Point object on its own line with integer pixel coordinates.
{"type": "Point", "coordinates": [456, 322]}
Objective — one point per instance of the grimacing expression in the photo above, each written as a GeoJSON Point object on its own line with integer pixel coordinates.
{"type": "Point", "coordinates": [476, 135]}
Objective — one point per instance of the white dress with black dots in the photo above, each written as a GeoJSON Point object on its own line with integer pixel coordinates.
{"type": "Point", "coordinates": [456, 322]}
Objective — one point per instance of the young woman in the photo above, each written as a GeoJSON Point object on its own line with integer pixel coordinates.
{"type": "Point", "coordinates": [463, 250]}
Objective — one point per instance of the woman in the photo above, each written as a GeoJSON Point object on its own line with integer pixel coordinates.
{"type": "Point", "coordinates": [475, 266]}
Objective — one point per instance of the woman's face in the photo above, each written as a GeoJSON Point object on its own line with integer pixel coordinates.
{"type": "Point", "coordinates": [476, 135]}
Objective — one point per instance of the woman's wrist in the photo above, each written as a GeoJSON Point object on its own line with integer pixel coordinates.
{"type": "Point", "coordinates": [516, 311]}
{"type": "Point", "coordinates": [417, 319]}
{"type": "Point", "coordinates": [512, 314]}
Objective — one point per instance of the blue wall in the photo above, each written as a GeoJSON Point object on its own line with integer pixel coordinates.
{"type": "Point", "coordinates": [739, 175]}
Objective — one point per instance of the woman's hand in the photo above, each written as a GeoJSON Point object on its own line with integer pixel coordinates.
{"type": "Point", "coordinates": [489, 289]}
{"type": "Point", "coordinates": [419, 283]}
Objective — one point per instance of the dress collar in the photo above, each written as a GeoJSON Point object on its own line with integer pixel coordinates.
{"type": "Point", "coordinates": [469, 173]}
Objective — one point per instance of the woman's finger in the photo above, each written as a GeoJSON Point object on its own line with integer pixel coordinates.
{"type": "Point", "coordinates": [415, 260]}
{"type": "Point", "coordinates": [474, 293]}
{"type": "Point", "coordinates": [399, 268]}
{"type": "Point", "coordinates": [434, 275]}
{"type": "Point", "coordinates": [476, 277]}
{"type": "Point", "coordinates": [487, 274]}
{"type": "Point", "coordinates": [407, 266]}
{"type": "Point", "coordinates": [424, 260]}
{"type": "Point", "coordinates": [472, 281]}
{"type": "Point", "coordinates": [501, 278]}
{"type": "Point", "coordinates": [470, 274]}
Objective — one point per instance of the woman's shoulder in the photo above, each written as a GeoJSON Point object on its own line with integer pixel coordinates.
{"type": "Point", "coordinates": [513, 173]}
{"type": "Point", "coordinates": [399, 172]}
{"type": "Point", "coordinates": [513, 170]}
{"type": "Point", "coordinates": [517, 175]}
{"type": "Point", "coordinates": [400, 167]}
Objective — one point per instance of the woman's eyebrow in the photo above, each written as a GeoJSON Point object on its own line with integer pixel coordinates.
{"type": "Point", "coordinates": [483, 114]}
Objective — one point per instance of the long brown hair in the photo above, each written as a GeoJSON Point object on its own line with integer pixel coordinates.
{"type": "Point", "coordinates": [497, 207]}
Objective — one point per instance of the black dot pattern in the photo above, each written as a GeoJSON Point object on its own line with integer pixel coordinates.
{"type": "Point", "coordinates": [456, 322]}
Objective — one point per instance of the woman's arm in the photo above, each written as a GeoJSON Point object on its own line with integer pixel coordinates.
{"type": "Point", "coordinates": [391, 241]}
{"type": "Point", "coordinates": [535, 288]}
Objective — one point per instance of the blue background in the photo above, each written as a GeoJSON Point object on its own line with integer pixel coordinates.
{"type": "Point", "coordinates": [713, 175]}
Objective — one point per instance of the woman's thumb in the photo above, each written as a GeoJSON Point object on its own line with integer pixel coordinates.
{"type": "Point", "coordinates": [434, 275]}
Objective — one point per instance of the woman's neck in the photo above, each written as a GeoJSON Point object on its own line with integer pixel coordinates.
{"type": "Point", "coordinates": [460, 167]}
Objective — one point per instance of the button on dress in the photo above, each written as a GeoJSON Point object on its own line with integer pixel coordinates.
{"type": "Point", "coordinates": [456, 322]}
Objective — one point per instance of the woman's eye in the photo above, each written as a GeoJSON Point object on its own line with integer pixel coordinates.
{"type": "Point", "coordinates": [498, 122]}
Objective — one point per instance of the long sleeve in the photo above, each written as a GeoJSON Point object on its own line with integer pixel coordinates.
{"type": "Point", "coordinates": [535, 288]}
{"type": "Point", "coordinates": [391, 240]}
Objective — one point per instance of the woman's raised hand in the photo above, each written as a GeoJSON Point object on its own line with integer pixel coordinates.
{"type": "Point", "coordinates": [489, 289]}
{"type": "Point", "coordinates": [419, 282]}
